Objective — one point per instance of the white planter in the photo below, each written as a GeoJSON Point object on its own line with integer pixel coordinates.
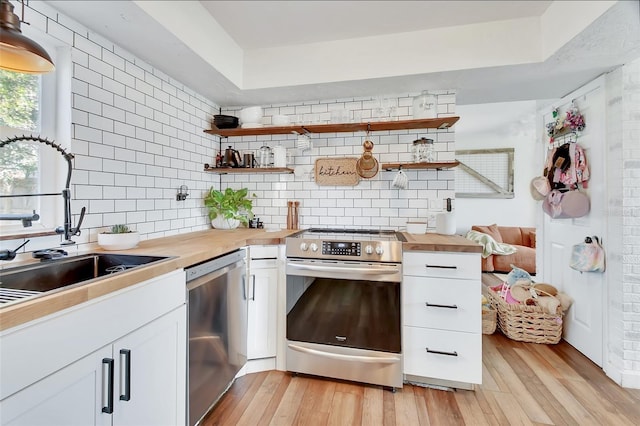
{"type": "Point", "coordinates": [123, 241]}
{"type": "Point", "coordinates": [222, 223]}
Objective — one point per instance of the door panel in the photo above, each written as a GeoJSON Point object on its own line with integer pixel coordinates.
{"type": "Point", "coordinates": [69, 397]}
{"type": "Point", "coordinates": [583, 322]}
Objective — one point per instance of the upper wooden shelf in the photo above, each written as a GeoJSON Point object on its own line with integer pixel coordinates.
{"type": "Point", "coordinates": [438, 165]}
{"type": "Point", "coordinates": [424, 123]}
{"type": "Point", "coordinates": [248, 170]}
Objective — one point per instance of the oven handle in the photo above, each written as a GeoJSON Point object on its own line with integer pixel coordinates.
{"type": "Point", "coordinates": [359, 358]}
{"type": "Point", "coordinates": [372, 270]}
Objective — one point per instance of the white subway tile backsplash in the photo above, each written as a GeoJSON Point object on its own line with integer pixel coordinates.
{"type": "Point", "coordinates": [113, 113]}
{"type": "Point", "coordinates": [58, 31]}
{"type": "Point", "coordinates": [84, 103]}
{"type": "Point", "coordinates": [134, 95]}
{"type": "Point", "coordinates": [100, 123]}
{"type": "Point", "coordinates": [113, 59]}
{"type": "Point", "coordinates": [86, 75]}
{"type": "Point", "coordinates": [122, 77]}
{"type": "Point", "coordinates": [101, 206]}
{"type": "Point", "coordinates": [124, 103]}
{"type": "Point", "coordinates": [101, 95]}
{"type": "Point", "coordinates": [101, 67]}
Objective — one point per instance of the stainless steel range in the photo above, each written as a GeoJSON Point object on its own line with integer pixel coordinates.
{"type": "Point", "coordinates": [343, 305]}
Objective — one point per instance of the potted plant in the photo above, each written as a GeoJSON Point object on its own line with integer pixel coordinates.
{"type": "Point", "coordinates": [118, 237]}
{"type": "Point", "coordinates": [229, 208]}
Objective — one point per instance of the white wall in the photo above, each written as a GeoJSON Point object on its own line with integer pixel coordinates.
{"type": "Point", "coordinates": [500, 125]}
{"type": "Point", "coordinates": [623, 225]}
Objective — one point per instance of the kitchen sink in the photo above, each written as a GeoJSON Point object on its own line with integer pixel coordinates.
{"type": "Point", "coordinates": [30, 280]}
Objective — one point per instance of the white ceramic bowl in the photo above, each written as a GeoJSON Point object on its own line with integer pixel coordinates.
{"type": "Point", "coordinates": [417, 227]}
{"type": "Point", "coordinates": [251, 115]}
{"type": "Point", "coordinates": [124, 241]}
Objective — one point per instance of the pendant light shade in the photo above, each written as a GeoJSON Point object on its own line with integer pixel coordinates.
{"type": "Point", "coordinates": [17, 52]}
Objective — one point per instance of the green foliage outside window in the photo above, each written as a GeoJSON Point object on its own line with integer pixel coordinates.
{"type": "Point", "coordinates": [19, 109]}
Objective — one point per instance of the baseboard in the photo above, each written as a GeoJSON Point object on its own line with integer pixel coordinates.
{"type": "Point", "coordinates": [630, 379]}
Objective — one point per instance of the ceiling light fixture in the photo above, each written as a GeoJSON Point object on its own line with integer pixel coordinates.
{"type": "Point", "coordinates": [17, 52]}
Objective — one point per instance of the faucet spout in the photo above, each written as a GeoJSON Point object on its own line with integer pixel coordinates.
{"type": "Point", "coordinates": [25, 218]}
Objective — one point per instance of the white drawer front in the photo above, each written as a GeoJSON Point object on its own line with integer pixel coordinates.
{"type": "Point", "coordinates": [442, 264]}
{"type": "Point", "coordinates": [263, 252]}
{"type": "Point", "coordinates": [452, 304]}
{"type": "Point", "coordinates": [460, 360]}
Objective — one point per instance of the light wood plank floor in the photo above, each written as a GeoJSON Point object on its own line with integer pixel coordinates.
{"type": "Point", "coordinates": [523, 384]}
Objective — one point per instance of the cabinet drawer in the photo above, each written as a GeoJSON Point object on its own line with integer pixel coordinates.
{"type": "Point", "coordinates": [263, 252]}
{"type": "Point", "coordinates": [452, 304]}
{"type": "Point", "coordinates": [454, 356]}
{"type": "Point", "coordinates": [445, 265]}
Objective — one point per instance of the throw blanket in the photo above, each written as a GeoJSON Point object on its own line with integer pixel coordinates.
{"type": "Point", "coordinates": [489, 245]}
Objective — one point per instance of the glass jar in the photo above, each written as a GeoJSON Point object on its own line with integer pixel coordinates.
{"type": "Point", "coordinates": [423, 151]}
{"type": "Point", "coordinates": [425, 105]}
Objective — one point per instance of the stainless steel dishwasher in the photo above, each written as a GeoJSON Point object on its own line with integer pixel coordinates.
{"type": "Point", "coordinates": [217, 329]}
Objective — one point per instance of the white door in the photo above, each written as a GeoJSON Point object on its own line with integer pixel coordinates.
{"type": "Point", "coordinates": [157, 377]}
{"type": "Point", "coordinates": [583, 323]}
{"type": "Point", "coordinates": [72, 396]}
{"type": "Point", "coordinates": [263, 293]}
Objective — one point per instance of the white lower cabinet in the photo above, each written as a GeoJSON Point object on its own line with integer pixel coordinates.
{"type": "Point", "coordinates": [263, 279]}
{"type": "Point", "coordinates": [137, 379]}
{"type": "Point", "coordinates": [442, 318]}
{"type": "Point", "coordinates": [71, 396]}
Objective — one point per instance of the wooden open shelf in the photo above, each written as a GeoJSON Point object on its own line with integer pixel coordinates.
{"type": "Point", "coordinates": [425, 123]}
{"type": "Point", "coordinates": [438, 165]}
{"type": "Point", "coordinates": [248, 170]}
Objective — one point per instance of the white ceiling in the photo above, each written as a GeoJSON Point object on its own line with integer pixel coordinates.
{"type": "Point", "coordinates": [261, 24]}
{"type": "Point", "coordinates": [268, 52]}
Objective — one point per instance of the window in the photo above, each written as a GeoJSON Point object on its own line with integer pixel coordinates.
{"type": "Point", "coordinates": [28, 106]}
{"type": "Point", "coordinates": [19, 161]}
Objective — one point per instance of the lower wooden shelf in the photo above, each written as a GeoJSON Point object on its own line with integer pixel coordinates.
{"type": "Point", "coordinates": [438, 165]}
{"type": "Point", "coordinates": [248, 170]}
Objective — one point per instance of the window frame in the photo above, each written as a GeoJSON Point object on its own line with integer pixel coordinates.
{"type": "Point", "coordinates": [54, 117]}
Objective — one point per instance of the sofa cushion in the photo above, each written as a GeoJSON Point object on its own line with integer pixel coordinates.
{"type": "Point", "coordinates": [491, 230]}
{"type": "Point", "coordinates": [524, 257]}
{"type": "Point", "coordinates": [532, 239]}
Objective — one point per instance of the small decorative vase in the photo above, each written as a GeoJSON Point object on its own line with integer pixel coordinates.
{"type": "Point", "coordinates": [222, 223]}
{"type": "Point", "coordinates": [124, 241]}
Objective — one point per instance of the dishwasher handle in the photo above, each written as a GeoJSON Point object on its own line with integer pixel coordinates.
{"type": "Point", "coordinates": [213, 275]}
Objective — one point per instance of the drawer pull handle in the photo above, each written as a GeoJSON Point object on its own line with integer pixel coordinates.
{"type": "Point", "coordinates": [435, 305]}
{"type": "Point", "coordinates": [125, 374]}
{"type": "Point", "coordinates": [107, 385]}
{"type": "Point", "coordinates": [454, 353]}
{"type": "Point", "coordinates": [341, 338]}
{"type": "Point", "coordinates": [441, 266]}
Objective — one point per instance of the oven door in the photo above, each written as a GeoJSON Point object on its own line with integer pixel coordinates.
{"type": "Point", "coordinates": [343, 320]}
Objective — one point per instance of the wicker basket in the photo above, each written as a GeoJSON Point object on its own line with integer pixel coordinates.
{"type": "Point", "coordinates": [488, 321]}
{"type": "Point", "coordinates": [525, 323]}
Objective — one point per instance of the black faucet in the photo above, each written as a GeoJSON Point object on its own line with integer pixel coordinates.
{"type": "Point", "coordinates": [11, 254]}
{"type": "Point", "coordinates": [67, 228]}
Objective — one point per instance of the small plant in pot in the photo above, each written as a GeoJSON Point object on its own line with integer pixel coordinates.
{"type": "Point", "coordinates": [228, 208]}
{"type": "Point", "coordinates": [118, 237]}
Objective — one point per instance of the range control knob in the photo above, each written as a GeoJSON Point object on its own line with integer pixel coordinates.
{"type": "Point", "coordinates": [313, 247]}
{"type": "Point", "coordinates": [379, 250]}
{"type": "Point", "coordinates": [303, 246]}
{"type": "Point", "coordinates": [368, 249]}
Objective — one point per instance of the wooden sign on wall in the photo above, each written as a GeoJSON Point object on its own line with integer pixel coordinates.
{"type": "Point", "coordinates": [336, 171]}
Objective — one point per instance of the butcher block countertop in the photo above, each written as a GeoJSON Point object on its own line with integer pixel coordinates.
{"type": "Point", "coordinates": [185, 250]}
{"type": "Point", "coordinates": [439, 242]}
